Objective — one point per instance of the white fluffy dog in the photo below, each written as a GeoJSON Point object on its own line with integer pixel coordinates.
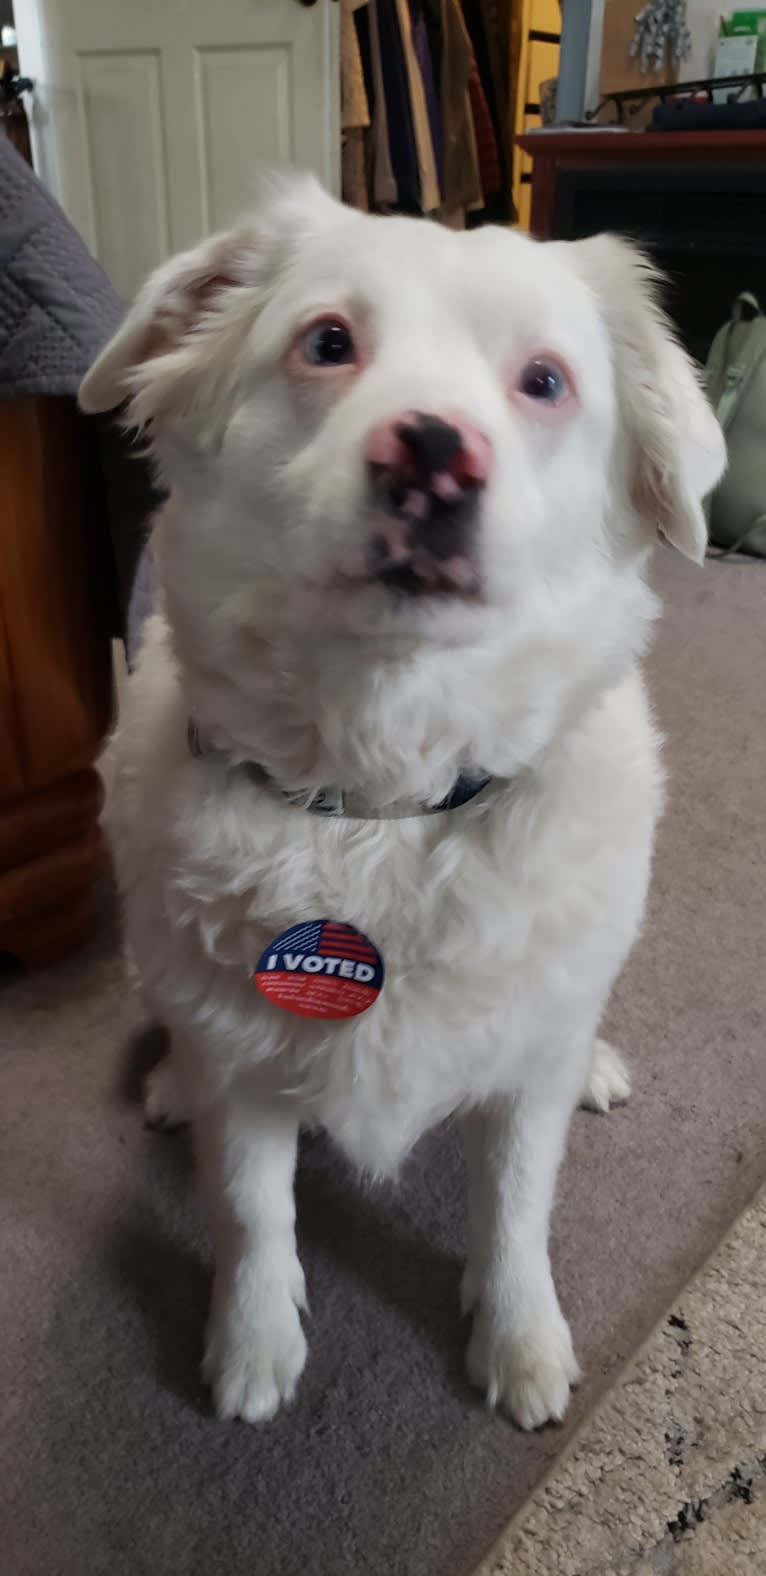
{"type": "Point", "coordinates": [415, 478]}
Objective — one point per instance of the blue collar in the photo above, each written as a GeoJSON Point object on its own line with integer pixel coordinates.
{"type": "Point", "coordinates": [333, 801]}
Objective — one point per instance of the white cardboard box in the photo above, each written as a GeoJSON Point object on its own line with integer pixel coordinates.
{"type": "Point", "coordinates": [734, 57]}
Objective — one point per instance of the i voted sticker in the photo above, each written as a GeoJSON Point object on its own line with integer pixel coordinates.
{"type": "Point", "coordinates": [321, 970]}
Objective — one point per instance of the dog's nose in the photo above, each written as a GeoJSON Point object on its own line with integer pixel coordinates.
{"type": "Point", "coordinates": [418, 455]}
{"type": "Point", "coordinates": [427, 472]}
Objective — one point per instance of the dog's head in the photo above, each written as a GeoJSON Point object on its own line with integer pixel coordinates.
{"type": "Point", "coordinates": [380, 428]}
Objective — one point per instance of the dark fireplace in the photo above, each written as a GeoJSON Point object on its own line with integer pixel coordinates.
{"type": "Point", "coordinates": [704, 226]}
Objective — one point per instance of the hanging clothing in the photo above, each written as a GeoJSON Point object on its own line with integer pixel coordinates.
{"type": "Point", "coordinates": [490, 170]}
{"type": "Point", "coordinates": [361, 19]}
{"type": "Point", "coordinates": [354, 169]}
{"type": "Point", "coordinates": [431, 13]}
{"type": "Point", "coordinates": [482, 19]}
{"type": "Point", "coordinates": [452, 218]}
{"type": "Point", "coordinates": [421, 44]}
{"type": "Point", "coordinates": [430, 190]}
{"type": "Point", "coordinates": [430, 78]}
{"type": "Point", "coordinates": [354, 106]}
{"type": "Point", "coordinates": [354, 109]}
{"type": "Point", "coordinates": [462, 182]}
{"type": "Point", "coordinates": [499, 19]}
{"type": "Point", "coordinates": [395, 88]}
{"type": "Point", "coordinates": [383, 181]}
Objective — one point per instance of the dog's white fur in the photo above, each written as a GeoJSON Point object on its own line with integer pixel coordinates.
{"type": "Point", "coordinates": [502, 924]}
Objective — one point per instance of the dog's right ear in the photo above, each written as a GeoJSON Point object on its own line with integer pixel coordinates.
{"type": "Point", "coordinates": [170, 303]}
{"type": "Point", "coordinates": [160, 341]}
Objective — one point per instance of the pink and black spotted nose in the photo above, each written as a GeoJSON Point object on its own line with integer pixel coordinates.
{"type": "Point", "coordinates": [427, 474]}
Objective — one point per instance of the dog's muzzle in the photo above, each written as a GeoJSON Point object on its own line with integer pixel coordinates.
{"type": "Point", "coordinates": [426, 476]}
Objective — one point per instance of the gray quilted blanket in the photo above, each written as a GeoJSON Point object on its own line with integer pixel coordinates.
{"type": "Point", "coordinates": [57, 307]}
{"type": "Point", "coordinates": [57, 310]}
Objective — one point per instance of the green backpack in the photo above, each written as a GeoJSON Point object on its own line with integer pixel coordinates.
{"type": "Point", "coordinates": [736, 384]}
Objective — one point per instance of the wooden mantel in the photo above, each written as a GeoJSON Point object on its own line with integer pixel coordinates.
{"type": "Point", "coordinates": [553, 151]}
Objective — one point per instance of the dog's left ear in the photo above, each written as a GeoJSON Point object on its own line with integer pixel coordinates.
{"type": "Point", "coordinates": [676, 450]}
{"type": "Point", "coordinates": [167, 306]}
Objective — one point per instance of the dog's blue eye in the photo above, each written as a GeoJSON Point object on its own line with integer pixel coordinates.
{"type": "Point", "coordinates": [329, 344]}
{"type": "Point", "coordinates": [544, 381]}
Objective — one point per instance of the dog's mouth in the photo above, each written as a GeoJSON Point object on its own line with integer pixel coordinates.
{"type": "Point", "coordinates": [403, 581]}
{"type": "Point", "coordinates": [419, 581]}
{"type": "Point", "coordinates": [414, 563]}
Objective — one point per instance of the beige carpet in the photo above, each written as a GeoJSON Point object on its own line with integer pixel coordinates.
{"type": "Point", "coordinates": [669, 1477]}
{"type": "Point", "coordinates": [110, 1462]}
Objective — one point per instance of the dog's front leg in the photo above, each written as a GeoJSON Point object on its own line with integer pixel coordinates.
{"type": "Point", "coordinates": [520, 1350]}
{"type": "Point", "coordinates": [256, 1348]}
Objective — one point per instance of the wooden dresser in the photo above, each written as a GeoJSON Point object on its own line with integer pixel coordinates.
{"type": "Point", "coordinates": [55, 684]}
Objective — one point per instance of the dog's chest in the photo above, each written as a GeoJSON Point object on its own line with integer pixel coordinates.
{"type": "Point", "coordinates": [418, 887]}
{"type": "Point", "coordinates": [466, 895]}
{"type": "Point", "coordinates": [468, 910]}
{"type": "Point", "coordinates": [500, 925]}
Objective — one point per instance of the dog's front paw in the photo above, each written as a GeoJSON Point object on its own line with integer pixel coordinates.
{"type": "Point", "coordinates": [608, 1082]}
{"type": "Point", "coordinates": [528, 1372]}
{"type": "Point", "coordinates": [256, 1353]}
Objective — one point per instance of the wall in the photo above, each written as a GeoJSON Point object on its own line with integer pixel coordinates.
{"type": "Point", "coordinates": [703, 17]}
{"type": "Point", "coordinates": [618, 71]}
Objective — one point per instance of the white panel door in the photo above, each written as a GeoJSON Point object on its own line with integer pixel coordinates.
{"type": "Point", "coordinates": [150, 118]}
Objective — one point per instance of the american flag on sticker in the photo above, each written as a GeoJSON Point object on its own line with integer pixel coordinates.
{"type": "Point", "coordinates": [351, 942]}
{"type": "Point", "coordinates": [322, 969]}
